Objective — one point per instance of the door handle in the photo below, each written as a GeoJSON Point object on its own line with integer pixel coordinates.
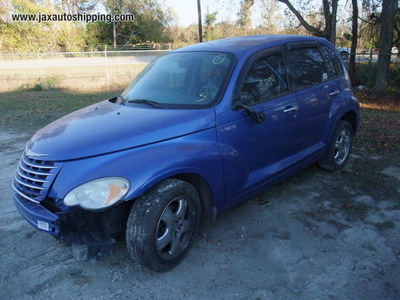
{"type": "Point", "coordinates": [290, 109]}
{"type": "Point", "coordinates": [334, 93]}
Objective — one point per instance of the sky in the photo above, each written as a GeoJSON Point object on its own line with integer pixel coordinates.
{"type": "Point", "coordinates": [186, 10]}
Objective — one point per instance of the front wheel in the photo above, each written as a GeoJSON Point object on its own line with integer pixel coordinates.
{"type": "Point", "coordinates": [339, 149]}
{"type": "Point", "coordinates": [161, 225]}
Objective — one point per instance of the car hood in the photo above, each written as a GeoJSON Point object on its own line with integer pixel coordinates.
{"type": "Point", "coordinates": [108, 127]}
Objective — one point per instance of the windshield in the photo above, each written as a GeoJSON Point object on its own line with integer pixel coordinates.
{"type": "Point", "coordinates": [189, 79]}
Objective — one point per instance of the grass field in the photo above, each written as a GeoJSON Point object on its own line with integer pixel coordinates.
{"type": "Point", "coordinates": [82, 78]}
{"type": "Point", "coordinates": [30, 110]}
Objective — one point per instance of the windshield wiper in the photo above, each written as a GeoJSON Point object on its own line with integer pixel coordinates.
{"type": "Point", "coordinates": [148, 102]}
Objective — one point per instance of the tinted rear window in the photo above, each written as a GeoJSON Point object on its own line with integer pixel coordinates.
{"type": "Point", "coordinates": [308, 67]}
{"type": "Point", "coordinates": [334, 66]}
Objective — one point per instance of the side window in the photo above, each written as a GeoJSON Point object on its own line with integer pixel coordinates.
{"type": "Point", "coordinates": [335, 68]}
{"type": "Point", "coordinates": [308, 67]}
{"type": "Point", "coordinates": [265, 80]}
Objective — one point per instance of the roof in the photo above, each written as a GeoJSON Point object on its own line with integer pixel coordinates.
{"type": "Point", "coordinates": [239, 45]}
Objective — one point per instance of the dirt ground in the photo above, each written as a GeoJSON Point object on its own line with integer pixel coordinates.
{"type": "Point", "coordinates": [318, 235]}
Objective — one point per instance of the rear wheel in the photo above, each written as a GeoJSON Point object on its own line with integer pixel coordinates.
{"type": "Point", "coordinates": [339, 148]}
{"type": "Point", "coordinates": [161, 225]}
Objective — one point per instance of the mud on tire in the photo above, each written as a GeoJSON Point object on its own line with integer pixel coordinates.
{"type": "Point", "coordinates": [161, 225]}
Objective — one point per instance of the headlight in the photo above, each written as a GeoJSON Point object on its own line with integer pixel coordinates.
{"type": "Point", "coordinates": [99, 193]}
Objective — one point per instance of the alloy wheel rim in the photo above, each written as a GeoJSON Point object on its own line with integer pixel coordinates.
{"type": "Point", "coordinates": [175, 228]}
{"type": "Point", "coordinates": [342, 146]}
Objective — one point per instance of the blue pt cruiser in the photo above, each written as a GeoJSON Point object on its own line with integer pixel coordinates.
{"type": "Point", "coordinates": [201, 129]}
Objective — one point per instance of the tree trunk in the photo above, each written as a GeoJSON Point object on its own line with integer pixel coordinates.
{"type": "Point", "coordinates": [328, 18]}
{"type": "Point", "coordinates": [354, 38]}
{"type": "Point", "coordinates": [199, 19]}
{"type": "Point", "coordinates": [333, 22]}
{"type": "Point", "coordinates": [389, 8]}
{"type": "Point", "coordinates": [115, 34]}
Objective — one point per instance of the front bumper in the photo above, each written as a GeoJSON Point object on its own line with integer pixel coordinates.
{"type": "Point", "coordinates": [36, 215]}
{"type": "Point", "coordinates": [77, 228]}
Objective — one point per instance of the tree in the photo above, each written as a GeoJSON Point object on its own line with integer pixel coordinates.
{"type": "Point", "coordinates": [329, 9]}
{"type": "Point", "coordinates": [245, 13]}
{"type": "Point", "coordinates": [209, 21]}
{"type": "Point", "coordinates": [396, 28]}
{"type": "Point", "coordinates": [75, 6]}
{"type": "Point", "coordinates": [271, 19]}
{"type": "Point", "coordinates": [149, 24]}
{"type": "Point", "coordinates": [354, 39]}
{"type": "Point", "coordinates": [389, 9]}
{"type": "Point", "coordinates": [44, 36]}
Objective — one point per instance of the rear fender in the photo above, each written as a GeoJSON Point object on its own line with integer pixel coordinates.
{"type": "Point", "coordinates": [344, 104]}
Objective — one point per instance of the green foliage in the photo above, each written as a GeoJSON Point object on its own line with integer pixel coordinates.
{"type": "Point", "coordinates": [210, 19]}
{"type": "Point", "coordinates": [209, 22]}
{"type": "Point", "coordinates": [149, 25]}
{"type": "Point", "coordinates": [365, 74]}
{"type": "Point", "coordinates": [98, 33]}
{"type": "Point", "coordinates": [37, 87]}
{"type": "Point", "coordinates": [46, 36]}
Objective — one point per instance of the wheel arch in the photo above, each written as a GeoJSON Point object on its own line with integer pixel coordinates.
{"type": "Point", "coordinates": [352, 118]}
{"type": "Point", "coordinates": [203, 190]}
{"type": "Point", "coordinates": [201, 185]}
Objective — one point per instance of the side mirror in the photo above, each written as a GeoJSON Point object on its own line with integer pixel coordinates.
{"type": "Point", "coordinates": [257, 116]}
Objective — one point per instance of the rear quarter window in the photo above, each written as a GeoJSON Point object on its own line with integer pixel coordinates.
{"type": "Point", "coordinates": [335, 68]}
{"type": "Point", "coordinates": [308, 67]}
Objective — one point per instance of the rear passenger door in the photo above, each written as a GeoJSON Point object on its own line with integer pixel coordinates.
{"type": "Point", "coordinates": [315, 92]}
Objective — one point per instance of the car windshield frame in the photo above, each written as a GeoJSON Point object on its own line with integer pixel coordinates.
{"type": "Point", "coordinates": [218, 58]}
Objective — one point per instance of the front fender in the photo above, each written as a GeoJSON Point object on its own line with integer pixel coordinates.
{"type": "Point", "coordinates": [145, 166]}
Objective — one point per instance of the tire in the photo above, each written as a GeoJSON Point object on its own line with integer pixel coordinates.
{"type": "Point", "coordinates": [161, 225]}
{"type": "Point", "coordinates": [345, 55]}
{"type": "Point", "coordinates": [339, 148]}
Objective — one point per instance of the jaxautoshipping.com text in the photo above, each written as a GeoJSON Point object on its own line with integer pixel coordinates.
{"type": "Point", "coordinates": [78, 17]}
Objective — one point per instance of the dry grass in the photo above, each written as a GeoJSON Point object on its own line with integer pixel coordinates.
{"type": "Point", "coordinates": [380, 124]}
{"type": "Point", "coordinates": [389, 102]}
{"type": "Point", "coordinates": [83, 78]}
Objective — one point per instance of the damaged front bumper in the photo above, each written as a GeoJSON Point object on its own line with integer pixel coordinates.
{"type": "Point", "coordinates": [81, 229]}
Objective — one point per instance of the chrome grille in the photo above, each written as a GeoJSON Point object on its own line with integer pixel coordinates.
{"type": "Point", "coordinates": [33, 178]}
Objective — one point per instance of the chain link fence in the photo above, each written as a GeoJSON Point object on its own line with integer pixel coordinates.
{"type": "Point", "coordinates": [115, 68]}
{"type": "Point", "coordinates": [73, 70]}
{"type": "Point", "coordinates": [366, 66]}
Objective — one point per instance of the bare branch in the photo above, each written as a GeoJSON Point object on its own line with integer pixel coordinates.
{"type": "Point", "coordinates": [302, 21]}
{"type": "Point", "coordinates": [368, 22]}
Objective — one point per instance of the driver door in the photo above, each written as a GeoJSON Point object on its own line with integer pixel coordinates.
{"type": "Point", "coordinates": [256, 153]}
